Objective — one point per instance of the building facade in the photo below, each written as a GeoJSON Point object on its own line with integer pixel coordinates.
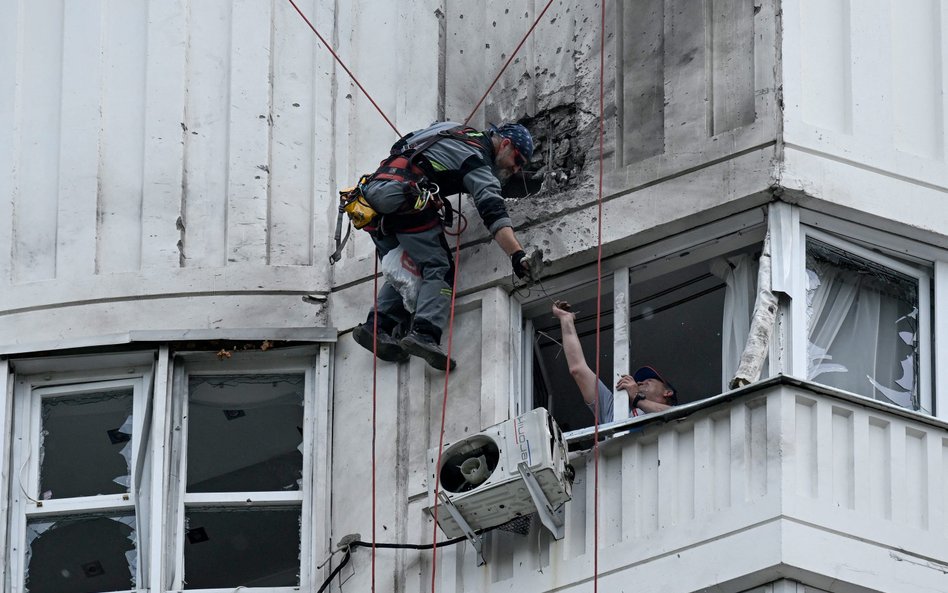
{"type": "Point", "coordinates": [184, 405]}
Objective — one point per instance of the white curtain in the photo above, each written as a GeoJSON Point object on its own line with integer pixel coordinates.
{"type": "Point", "coordinates": [861, 328]}
{"type": "Point", "coordinates": [739, 274]}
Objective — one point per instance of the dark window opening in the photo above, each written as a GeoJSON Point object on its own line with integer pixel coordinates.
{"type": "Point", "coordinates": [242, 548]}
{"type": "Point", "coordinates": [244, 433]}
{"type": "Point", "coordinates": [86, 444]}
{"type": "Point", "coordinates": [676, 329]}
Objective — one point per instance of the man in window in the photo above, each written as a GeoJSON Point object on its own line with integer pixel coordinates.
{"type": "Point", "coordinates": [647, 390]}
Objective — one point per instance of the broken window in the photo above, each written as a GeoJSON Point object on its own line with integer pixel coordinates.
{"type": "Point", "coordinates": [245, 433]}
{"type": "Point", "coordinates": [81, 554]}
{"type": "Point", "coordinates": [692, 323]}
{"type": "Point", "coordinates": [244, 471]}
{"type": "Point", "coordinates": [75, 490]}
{"type": "Point", "coordinates": [86, 444]}
{"type": "Point", "coordinates": [688, 315]}
{"type": "Point", "coordinates": [864, 316]}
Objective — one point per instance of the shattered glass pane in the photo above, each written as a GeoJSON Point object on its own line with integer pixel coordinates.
{"type": "Point", "coordinates": [862, 321]}
{"type": "Point", "coordinates": [81, 554]}
{"type": "Point", "coordinates": [86, 444]}
{"type": "Point", "coordinates": [242, 547]}
{"type": "Point", "coordinates": [244, 433]}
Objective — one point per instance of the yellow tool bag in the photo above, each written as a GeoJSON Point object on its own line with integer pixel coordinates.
{"type": "Point", "coordinates": [352, 204]}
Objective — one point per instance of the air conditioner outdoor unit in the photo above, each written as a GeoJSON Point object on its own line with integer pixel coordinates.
{"type": "Point", "coordinates": [509, 470]}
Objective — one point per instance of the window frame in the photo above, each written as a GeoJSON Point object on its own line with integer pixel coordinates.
{"type": "Point", "coordinates": [923, 272]}
{"type": "Point", "coordinates": [303, 360]}
{"type": "Point", "coordinates": [28, 394]}
{"type": "Point", "coordinates": [653, 259]}
{"type": "Point", "coordinates": [154, 486]}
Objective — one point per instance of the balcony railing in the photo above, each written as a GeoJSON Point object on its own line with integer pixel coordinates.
{"type": "Point", "coordinates": [780, 479]}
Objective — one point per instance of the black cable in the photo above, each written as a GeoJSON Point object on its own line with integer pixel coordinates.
{"type": "Point", "coordinates": [362, 544]}
{"type": "Point", "coordinates": [335, 571]}
{"type": "Point", "coordinates": [449, 542]}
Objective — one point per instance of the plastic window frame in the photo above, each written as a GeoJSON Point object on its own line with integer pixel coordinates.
{"type": "Point", "coordinates": [29, 392]}
{"type": "Point", "coordinates": [620, 272]}
{"type": "Point", "coordinates": [303, 362]}
{"type": "Point", "coordinates": [926, 280]}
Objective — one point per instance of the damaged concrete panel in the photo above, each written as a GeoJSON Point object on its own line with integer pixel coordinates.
{"type": "Point", "coordinates": [640, 80]}
{"type": "Point", "coordinates": [542, 75]}
{"type": "Point", "coordinates": [472, 60]}
{"type": "Point", "coordinates": [554, 70]}
{"type": "Point", "coordinates": [695, 83]}
{"type": "Point", "coordinates": [732, 64]}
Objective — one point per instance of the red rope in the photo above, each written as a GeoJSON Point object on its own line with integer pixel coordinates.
{"type": "Point", "coordinates": [375, 366]}
{"type": "Point", "coordinates": [349, 72]}
{"type": "Point", "coordinates": [507, 63]}
{"type": "Point", "coordinates": [444, 405]}
{"type": "Point", "coordinates": [602, 99]}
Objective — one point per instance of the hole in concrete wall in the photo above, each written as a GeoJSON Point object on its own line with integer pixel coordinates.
{"type": "Point", "coordinates": [558, 155]}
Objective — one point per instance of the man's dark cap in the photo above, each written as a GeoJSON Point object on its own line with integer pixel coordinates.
{"type": "Point", "coordinates": [519, 136]}
{"type": "Point", "coordinates": [648, 372]}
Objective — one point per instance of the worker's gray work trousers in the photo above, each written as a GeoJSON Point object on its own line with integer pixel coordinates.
{"type": "Point", "coordinates": [432, 256]}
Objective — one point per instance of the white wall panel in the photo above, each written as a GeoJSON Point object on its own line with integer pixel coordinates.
{"type": "Point", "coordinates": [298, 147]}
{"type": "Point", "coordinates": [164, 135]}
{"type": "Point", "coordinates": [825, 39]}
{"type": "Point", "coordinates": [917, 83]}
{"type": "Point", "coordinates": [248, 134]}
{"type": "Point", "coordinates": [122, 142]}
{"type": "Point", "coordinates": [35, 198]}
{"type": "Point", "coordinates": [207, 112]}
{"type": "Point", "coordinates": [11, 38]}
{"type": "Point", "coordinates": [864, 83]}
{"type": "Point", "coordinates": [78, 189]}
{"type": "Point", "coordinates": [147, 137]}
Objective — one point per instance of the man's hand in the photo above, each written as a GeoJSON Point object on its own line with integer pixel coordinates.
{"type": "Point", "coordinates": [627, 383]}
{"type": "Point", "coordinates": [561, 311]}
{"type": "Point", "coordinates": [520, 264]}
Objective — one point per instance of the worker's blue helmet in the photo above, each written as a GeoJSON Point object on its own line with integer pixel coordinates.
{"type": "Point", "coordinates": [519, 136]}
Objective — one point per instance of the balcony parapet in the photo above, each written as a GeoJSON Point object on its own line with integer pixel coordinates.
{"type": "Point", "coordinates": [781, 479]}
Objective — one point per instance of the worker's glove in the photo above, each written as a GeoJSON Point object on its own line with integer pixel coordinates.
{"type": "Point", "coordinates": [517, 261]}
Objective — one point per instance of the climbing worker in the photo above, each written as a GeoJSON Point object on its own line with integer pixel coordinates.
{"type": "Point", "coordinates": [647, 390]}
{"type": "Point", "coordinates": [424, 166]}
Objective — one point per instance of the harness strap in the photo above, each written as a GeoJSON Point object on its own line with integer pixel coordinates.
{"type": "Point", "coordinates": [340, 243]}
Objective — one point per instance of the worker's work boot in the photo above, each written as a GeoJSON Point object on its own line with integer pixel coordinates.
{"type": "Point", "coordinates": [424, 346]}
{"type": "Point", "coordinates": [387, 347]}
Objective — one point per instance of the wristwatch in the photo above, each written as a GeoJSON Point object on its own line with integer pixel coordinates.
{"type": "Point", "coordinates": [635, 400]}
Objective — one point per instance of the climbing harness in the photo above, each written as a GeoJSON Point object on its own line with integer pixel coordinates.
{"type": "Point", "coordinates": [405, 164]}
